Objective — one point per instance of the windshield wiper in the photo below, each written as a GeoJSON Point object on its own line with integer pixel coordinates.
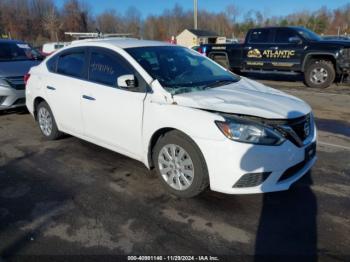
{"type": "Point", "coordinates": [174, 90]}
{"type": "Point", "coordinates": [220, 83]}
{"type": "Point", "coordinates": [179, 89]}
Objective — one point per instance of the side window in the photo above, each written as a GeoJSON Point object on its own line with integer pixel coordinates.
{"type": "Point", "coordinates": [52, 64]}
{"type": "Point", "coordinates": [105, 68]}
{"type": "Point", "coordinates": [283, 35]}
{"type": "Point", "coordinates": [259, 36]}
{"type": "Point", "coordinates": [71, 64]}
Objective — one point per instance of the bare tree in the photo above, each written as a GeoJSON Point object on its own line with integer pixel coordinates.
{"type": "Point", "coordinates": [75, 16]}
{"type": "Point", "coordinates": [37, 21]}
{"type": "Point", "coordinates": [109, 22]}
{"type": "Point", "coordinates": [133, 21]}
{"type": "Point", "coordinates": [232, 12]}
{"type": "Point", "coordinates": [52, 24]}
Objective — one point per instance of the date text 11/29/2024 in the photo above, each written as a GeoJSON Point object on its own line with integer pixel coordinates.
{"type": "Point", "coordinates": [173, 258]}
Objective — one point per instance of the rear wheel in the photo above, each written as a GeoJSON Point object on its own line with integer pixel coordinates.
{"type": "Point", "coordinates": [180, 165]}
{"type": "Point", "coordinates": [46, 121]}
{"type": "Point", "coordinates": [221, 59]}
{"type": "Point", "coordinates": [319, 73]}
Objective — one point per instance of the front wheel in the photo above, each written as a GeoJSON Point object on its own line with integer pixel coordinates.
{"type": "Point", "coordinates": [180, 165]}
{"type": "Point", "coordinates": [319, 74]}
{"type": "Point", "coordinates": [46, 121]}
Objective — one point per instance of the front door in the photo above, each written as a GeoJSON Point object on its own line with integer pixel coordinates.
{"type": "Point", "coordinates": [287, 50]}
{"type": "Point", "coordinates": [112, 115]}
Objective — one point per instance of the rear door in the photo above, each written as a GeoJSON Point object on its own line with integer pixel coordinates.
{"type": "Point", "coordinates": [63, 88]}
{"type": "Point", "coordinates": [258, 41]}
{"type": "Point", "coordinates": [288, 53]}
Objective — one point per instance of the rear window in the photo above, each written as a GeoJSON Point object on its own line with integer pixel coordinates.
{"type": "Point", "coordinates": [52, 64]}
{"type": "Point", "coordinates": [71, 64]}
{"type": "Point", "coordinates": [259, 36]}
{"type": "Point", "coordinates": [58, 46]}
{"type": "Point", "coordinates": [12, 51]}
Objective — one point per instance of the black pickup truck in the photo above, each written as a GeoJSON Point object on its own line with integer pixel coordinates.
{"type": "Point", "coordinates": [286, 50]}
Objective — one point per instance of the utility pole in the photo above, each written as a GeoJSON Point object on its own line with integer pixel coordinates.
{"type": "Point", "coordinates": [195, 13]}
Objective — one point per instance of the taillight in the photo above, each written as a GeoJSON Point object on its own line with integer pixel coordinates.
{"type": "Point", "coordinates": [202, 50]}
{"type": "Point", "coordinates": [26, 78]}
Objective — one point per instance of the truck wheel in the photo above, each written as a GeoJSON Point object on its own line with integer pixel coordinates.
{"type": "Point", "coordinates": [221, 59]}
{"type": "Point", "coordinates": [319, 73]}
{"type": "Point", "coordinates": [46, 121]}
{"type": "Point", "coordinates": [180, 165]}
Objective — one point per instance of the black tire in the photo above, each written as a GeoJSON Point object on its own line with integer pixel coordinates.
{"type": "Point", "coordinates": [238, 72]}
{"type": "Point", "coordinates": [221, 59]}
{"type": "Point", "coordinates": [200, 180]}
{"type": "Point", "coordinates": [325, 66]}
{"type": "Point", "coordinates": [55, 133]}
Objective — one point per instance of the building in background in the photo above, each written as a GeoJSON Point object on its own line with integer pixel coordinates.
{"type": "Point", "coordinates": [195, 37]}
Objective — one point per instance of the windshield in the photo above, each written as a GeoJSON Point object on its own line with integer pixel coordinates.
{"type": "Point", "coordinates": [179, 69]}
{"type": "Point", "coordinates": [309, 35]}
{"type": "Point", "coordinates": [12, 51]}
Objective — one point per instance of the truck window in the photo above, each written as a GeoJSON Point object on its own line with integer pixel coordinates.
{"type": "Point", "coordinates": [259, 36]}
{"type": "Point", "coordinates": [283, 35]}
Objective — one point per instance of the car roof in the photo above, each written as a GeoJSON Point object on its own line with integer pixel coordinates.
{"type": "Point", "coordinates": [121, 42]}
{"type": "Point", "coordinates": [278, 27]}
{"type": "Point", "coordinates": [10, 41]}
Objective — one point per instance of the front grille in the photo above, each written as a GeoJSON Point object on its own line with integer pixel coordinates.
{"type": "Point", "coordinates": [20, 101]}
{"type": "Point", "coordinates": [346, 53]}
{"type": "Point", "coordinates": [16, 82]}
{"type": "Point", "coordinates": [299, 126]}
{"type": "Point", "coordinates": [251, 180]}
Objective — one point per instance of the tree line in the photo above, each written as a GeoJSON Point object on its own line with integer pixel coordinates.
{"type": "Point", "coordinates": [39, 21]}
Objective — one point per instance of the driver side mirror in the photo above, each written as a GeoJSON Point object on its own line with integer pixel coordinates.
{"type": "Point", "coordinates": [126, 81]}
{"type": "Point", "coordinates": [295, 40]}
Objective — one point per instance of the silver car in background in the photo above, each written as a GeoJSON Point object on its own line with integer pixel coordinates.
{"type": "Point", "coordinates": [16, 58]}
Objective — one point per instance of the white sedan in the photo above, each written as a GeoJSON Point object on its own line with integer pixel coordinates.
{"type": "Point", "coordinates": [176, 111]}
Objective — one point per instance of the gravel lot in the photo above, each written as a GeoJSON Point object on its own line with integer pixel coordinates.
{"type": "Point", "coordinates": [70, 197]}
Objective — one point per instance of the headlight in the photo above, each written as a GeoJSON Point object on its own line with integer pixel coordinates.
{"type": "Point", "coordinates": [246, 131]}
{"type": "Point", "coordinates": [3, 83]}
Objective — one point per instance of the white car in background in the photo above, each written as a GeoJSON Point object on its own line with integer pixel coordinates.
{"type": "Point", "coordinates": [175, 110]}
{"type": "Point", "coordinates": [50, 48]}
{"type": "Point", "coordinates": [16, 58]}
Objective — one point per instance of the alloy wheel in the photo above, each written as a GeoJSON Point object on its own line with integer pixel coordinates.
{"type": "Point", "coordinates": [45, 121]}
{"type": "Point", "coordinates": [176, 167]}
{"type": "Point", "coordinates": [319, 75]}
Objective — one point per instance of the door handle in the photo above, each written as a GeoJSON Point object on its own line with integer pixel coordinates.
{"type": "Point", "coordinates": [247, 47]}
{"type": "Point", "coordinates": [50, 88]}
{"type": "Point", "coordinates": [89, 98]}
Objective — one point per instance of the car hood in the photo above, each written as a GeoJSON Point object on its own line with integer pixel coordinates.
{"type": "Point", "coordinates": [246, 97]}
{"type": "Point", "coordinates": [345, 43]}
{"type": "Point", "coordinates": [16, 68]}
